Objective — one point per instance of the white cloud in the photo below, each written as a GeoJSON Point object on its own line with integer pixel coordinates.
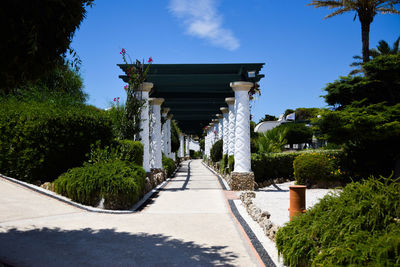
{"type": "Point", "coordinates": [202, 20]}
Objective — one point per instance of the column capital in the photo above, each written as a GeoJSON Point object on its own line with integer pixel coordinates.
{"type": "Point", "coordinates": [224, 110]}
{"type": "Point", "coordinates": [211, 124]}
{"type": "Point", "coordinates": [215, 121]}
{"type": "Point", "coordinates": [145, 87]}
{"type": "Point", "coordinates": [219, 116]}
{"type": "Point", "coordinates": [241, 86]}
{"type": "Point", "coordinates": [170, 116]}
{"type": "Point", "coordinates": [230, 100]}
{"type": "Point", "coordinates": [165, 111]}
{"type": "Point", "coordinates": [156, 101]}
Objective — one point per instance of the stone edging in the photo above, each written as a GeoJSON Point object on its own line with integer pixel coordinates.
{"type": "Point", "coordinates": [68, 201]}
{"type": "Point", "coordinates": [261, 217]}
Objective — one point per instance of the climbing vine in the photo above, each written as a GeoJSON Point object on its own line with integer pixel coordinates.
{"type": "Point", "coordinates": [136, 73]}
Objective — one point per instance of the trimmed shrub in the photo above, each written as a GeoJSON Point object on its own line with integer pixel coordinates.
{"type": "Point", "coordinates": [316, 168]}
{"type": "Point", "coordinates": [168, 165]}
{"type": "Point", "coordinates": [39, 141]}
{"type": "Point", "coordinates": [270, 166]}
{"type": "Point", "coordinates": [120, 184]}
{"type": "Point", "coordinates": [223, 163]}
{"type": "Point", "coordinates": [216, 151]}
{"type": "Point", "coordinates": [231, 163]}
{"type": "Point", "coordinates": [357, 227]}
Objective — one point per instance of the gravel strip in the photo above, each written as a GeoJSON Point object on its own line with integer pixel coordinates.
{"type": "Point", "coordinates": [275, 200]}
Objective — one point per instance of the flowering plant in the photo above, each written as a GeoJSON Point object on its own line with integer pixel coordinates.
{"type": "Point", "coordinates": [136, 73]}
{"type": "Point", "coordinates": [254, 91]}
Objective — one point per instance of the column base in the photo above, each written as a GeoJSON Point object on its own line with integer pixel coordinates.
{"type": "Point", "coordinates": [240, 181]}
{"type": "Point", "coordinates": [154, 178]}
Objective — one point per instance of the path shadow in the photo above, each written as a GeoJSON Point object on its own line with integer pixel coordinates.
{"type": "Point", "coordinates": [278, 189]}
{"type": "Point", "coordinates": [105, 247]}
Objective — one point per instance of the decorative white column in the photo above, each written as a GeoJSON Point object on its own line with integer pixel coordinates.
{"type": "Point", "coordinates": [164, 132]}
{"type": "Point", "coordinates": [220, 126]}
{"type": "Point", "coordinates": [187, 141]}
{"type": "Point", "coordinates": [216, 130]}
{"type": "Point", "coordinates": [242, 176]}
{"type": "Point", "coordinates": [181, 153]}
{"type": "Point", "coordinates": [143, 94]}
{"type": "Point", "coordinates": [231, 128]}
{"type": "Point", "coordinates": [225, 134]}
{"type": "Point", "coordinates": [155, 147]}
{"type": "Point", "coordinates": [169, 136]}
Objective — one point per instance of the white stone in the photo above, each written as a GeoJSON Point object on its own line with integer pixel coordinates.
{"type": "Point", "coordinates": [143, 94]}
{"type": "Point", "coordinates": [225, 134]}
{"type": "Point", "coordinates": [155, 148]}
{"type": "Point", "coordinates": [181, 152]}
{"type": "Point", "coordinates": [231, 128]}
{"type": "Point", "coordinates": [242, 129]}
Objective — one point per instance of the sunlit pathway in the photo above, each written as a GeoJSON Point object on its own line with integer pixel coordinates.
{"type": "Point", "coordinates": [187, 224]}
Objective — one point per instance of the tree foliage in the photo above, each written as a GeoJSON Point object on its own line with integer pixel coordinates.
{"type": "Point", "coordinates": [369, 135]}
{"type": "Point", "coordinates": [382, 84]}
{"type": "Point", "coordinates": [37, 33]}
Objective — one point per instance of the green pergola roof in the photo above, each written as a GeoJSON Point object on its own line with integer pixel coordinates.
{"type": "Point", "coordinates": [195, 92]}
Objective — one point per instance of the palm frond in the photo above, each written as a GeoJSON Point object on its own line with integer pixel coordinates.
{"type": "Point", "coordinates": [338, 12]}
{"type": "Point", "coordinates": [328, 4]}
{"type": "Point", "coordinates": [388, 11]}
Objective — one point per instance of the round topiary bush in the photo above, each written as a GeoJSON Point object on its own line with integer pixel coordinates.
{"type": "Point", "coordinates": [119, 183]}
{"type": "Point", "coordinates": [216, 151]}
{"type": "Point", "coordinates": [311, 168]}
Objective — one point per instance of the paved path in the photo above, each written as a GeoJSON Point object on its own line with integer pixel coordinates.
{"type": "Point", "coordinates": [187, 224]}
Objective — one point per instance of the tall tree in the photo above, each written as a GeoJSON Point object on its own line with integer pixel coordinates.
{"type": "Point", "coordinates": [365, 10]}
{"type": "Point", "coordinates": [35, 36]}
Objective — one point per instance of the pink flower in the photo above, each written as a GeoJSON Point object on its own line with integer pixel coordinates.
{"type": "Point", "coordinates": [115, 99]}
{"type": "Point", "coordinates": [123, 51]}
{"type": "Point", "coordinates": [126, 87]}
{"type": "Point", "coordinates": [150, 60]}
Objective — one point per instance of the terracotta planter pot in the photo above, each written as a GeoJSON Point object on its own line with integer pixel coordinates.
{"type": "Point", "coordinates": [297, 200]}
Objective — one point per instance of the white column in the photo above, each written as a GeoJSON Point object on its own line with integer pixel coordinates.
{"type": "Point", "coordinates": [169, 136]}
{"type": "Point", "coordinates": [225, 134]}
{"type": "Point", "coordinates": [181, 153]}
{"type": "Point", "coordinates": [155, 147]}
{"type": "Point", "coordinates": [231, 128]}
{"type": "Point", "coordinates": [242, 132]}
{"type": "Point", "coordinates": [187, 140]}
{"type": "Point", "coordinates": [142, 93]}
{"type": "Point", "coordinates": [164, 132]}
{"type": "Point", "coordinates": [216, 130]}
{"type": "Point", "coordinates": [220, 126]}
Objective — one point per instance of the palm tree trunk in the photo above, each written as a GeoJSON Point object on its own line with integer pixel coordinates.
{"type": "Point", "coordinates": [365, 25]}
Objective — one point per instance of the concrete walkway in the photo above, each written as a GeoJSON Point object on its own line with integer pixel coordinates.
{"type": "Point", "coordinates": [187, 224]}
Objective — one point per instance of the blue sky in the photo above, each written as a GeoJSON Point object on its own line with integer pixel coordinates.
{"type": "Point", "coordinates": [302, 51]}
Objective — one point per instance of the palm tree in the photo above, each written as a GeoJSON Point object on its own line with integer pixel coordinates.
{"type": "Point", "coordinates": [383, 48]}
{"type": "Point", "coordinates": [365, 10]}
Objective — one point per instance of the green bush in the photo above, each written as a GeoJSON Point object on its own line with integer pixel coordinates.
{"type": "Point", "coordinates": [357, 227]}
{"type": "Point", "coordinates": [311, 168]}
{"type": "Point", "coordinates": [231, 163]}
{"type": "Point", "coordinates": [120, 184]}
{"type": "Point", "coordinates": [168, 165]}
{"type": "Point", "coordinates": [216, 151]}
{"type": "Point", "coordinates": [126, 150]}
{"type": "Point", "coordinates": [270, 166]}
{"type": "Point", "coordinates": [39, 141]}
{"type": "Point", "coordinates": [223, 163]}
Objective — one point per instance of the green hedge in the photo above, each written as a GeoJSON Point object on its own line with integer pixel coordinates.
{"type": "Point", "coordinates": [39, 141]}
{"type": "Point", "coordinates": [216, 151]}
{"type": "Point", "coordinates": [120, 183]}
{"type": "Point", "coordinates": [168, 165]}
{"type": "Point", "coordinates": [280, 165]}
{"type": "Point", "coordinates": [357, 227]}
